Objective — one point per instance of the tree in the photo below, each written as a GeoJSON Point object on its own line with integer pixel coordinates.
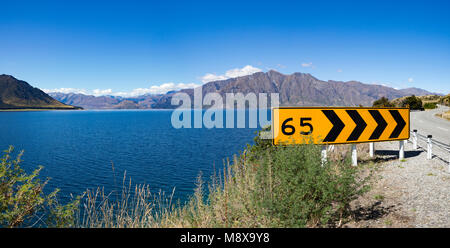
{"type": "Point", "coordinates": [413, 102]}
{"type": "Point", "coordinates": [382, 102]}
{"type": "Point", "coordinates": [22, 197]}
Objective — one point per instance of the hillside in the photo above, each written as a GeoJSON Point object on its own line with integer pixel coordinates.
{"type": "Point", "coordinates": [438, 99]}
{"type": "Point", "coordinates": [17, 94]}
{"type": "Point", "coordinates": [297, 89]}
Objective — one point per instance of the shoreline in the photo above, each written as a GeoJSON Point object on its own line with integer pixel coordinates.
{"type": "Point", "coordinates": [34, 109]}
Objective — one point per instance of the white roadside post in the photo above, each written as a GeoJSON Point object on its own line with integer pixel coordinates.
{"type": "Point", "coordinates": [429, 147]}
{"type": "Point", "coordinates": [324, 154]}
{"type": "Point", "coordinates": [415, 139]}
{"type": "Point", "coordinates": [401, 150]}
{"type": "Point", "coordinates": [354, 155]}
{"type": "Point", "coordinates": [371, 149]}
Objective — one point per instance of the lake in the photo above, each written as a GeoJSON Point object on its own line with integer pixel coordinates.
{"type": "Point", "coordinates": [78, 148]}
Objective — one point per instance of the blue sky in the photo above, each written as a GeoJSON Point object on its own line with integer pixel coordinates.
{"type": "Point", "coordinates": [121, 46]}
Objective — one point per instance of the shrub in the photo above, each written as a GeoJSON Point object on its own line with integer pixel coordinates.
{"type": "Point", "coordinates": [445, 100]}
{"type": "Point", "coordinates": [430, 105]}
{"type": "Point", "coordinates": [298, 190]}
{"type": "Point", "coordinates": [382, 102]}
{"type": "Point", "coordinates": [413, 102]}
{"type": "Point", "coordinates": [22, 197]}
{"type": "Point", "coordinates": [260, 146]}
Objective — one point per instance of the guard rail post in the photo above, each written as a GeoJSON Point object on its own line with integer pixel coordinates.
{"type": "Point", "coordinates": [429, 147]}
{"type": "Point", "coordinates": [415, 139]}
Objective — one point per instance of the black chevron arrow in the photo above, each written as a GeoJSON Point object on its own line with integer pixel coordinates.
{"type": "Point", "coordinates": [381, 124]}
{"type": "Point", "coordinates": [400, 123]}
{"type": "Point", "coordinates": [360, 125]}
{"type": "Point", "coordinates": [338, 125]}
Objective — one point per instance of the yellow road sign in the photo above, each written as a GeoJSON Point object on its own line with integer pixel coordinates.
{"type": "Point", "coordinates": [338, 125]}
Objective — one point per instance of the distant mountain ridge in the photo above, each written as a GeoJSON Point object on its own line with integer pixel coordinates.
{"type": "Point", "coordinates": [417, 92]}
{"type": "Point", "coordinates": [18, 94]}
{"type": "Point", "coordinates": [106, 102]}
{"type": "Point", "coordinates": [297, 89]}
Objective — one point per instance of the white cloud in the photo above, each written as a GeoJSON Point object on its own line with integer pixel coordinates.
{"type": "Point", "coordinates": [309, 64]}
{"type": "Point", "coordinates": [388, 84]}
{"type": "Point", "coordinates": [156, 89]}
{"type": "Point", "coordinates": [66, 90]}
{"type": "Point", "coordinates": [99, 92]}
{"type": "Point", "coordinates": [160, 89]}
{"type": "Point", "coordinates": [381, 83]}
{"type": "Point", "coordinates": [212, 77]}
{"type": "Point", "coordinates": [410, 79]}
{"type": "Point", "coordinates": [233, 73]}
{"type": "Point", "coordinates": [246, 70]}
{"type": "Point", "coordinates": [339, 70]}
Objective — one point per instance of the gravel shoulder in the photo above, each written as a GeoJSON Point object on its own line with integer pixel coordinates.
{"type": "Point", "coordinates": [414, 192]}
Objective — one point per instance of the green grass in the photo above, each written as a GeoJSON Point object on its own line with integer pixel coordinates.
{"type": "Point", "coordinates": [388, 222]}
{"type": "Point", "coordinates": [378, 197]}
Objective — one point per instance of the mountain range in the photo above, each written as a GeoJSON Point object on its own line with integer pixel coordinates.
{"type": "Point", "coordinates": [297, 89]}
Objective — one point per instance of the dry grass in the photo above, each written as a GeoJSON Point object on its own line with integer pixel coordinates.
{"type": "Point", "coordinates": [445, 115]}
{"type": "Point", "coordinates": [339, 152]}
{"type": "Point", "coordinates": [134, 208]}
{"type": "Point", "coordinates": [228, 204]}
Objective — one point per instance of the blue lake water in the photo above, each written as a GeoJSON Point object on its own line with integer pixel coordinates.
{"type": "Point", "coordinates": [78, 148]}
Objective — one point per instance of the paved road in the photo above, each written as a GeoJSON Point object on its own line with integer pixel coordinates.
{"type": "Point", "coordinates": [427, 123]}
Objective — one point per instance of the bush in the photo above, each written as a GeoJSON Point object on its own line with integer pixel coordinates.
{"type": "Point", "coordinates": [299, 191]}
{"type": "Point", "coordinates": [413, 102]}
{"type": "Point", "coordinates": [22, 197]}
{"type": "Point", "coordinates": [430, 105]}
{"type": "Point", "coordinates": [445, 100]}
{"type": "Point", "coordinates": [258, 150]}
{"type": "Point", "coordinates": [382, 102]}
